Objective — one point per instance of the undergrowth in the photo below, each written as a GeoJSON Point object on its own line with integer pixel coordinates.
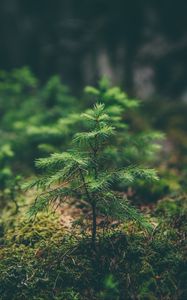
{"type": "Point", "coordinates": [42, 260]}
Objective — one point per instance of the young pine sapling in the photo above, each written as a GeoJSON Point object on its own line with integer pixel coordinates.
{"type": "Point", "coordinates": [85, 172]}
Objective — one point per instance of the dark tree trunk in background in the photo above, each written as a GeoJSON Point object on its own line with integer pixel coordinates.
{"type": "Point", "coordinates": [60, 37]}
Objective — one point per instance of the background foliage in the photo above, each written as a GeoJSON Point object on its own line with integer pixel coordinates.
{"type": "Point", "coordinates": [140, 44]}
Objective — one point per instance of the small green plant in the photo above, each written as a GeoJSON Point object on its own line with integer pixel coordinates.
{"type": "Point", "coordinates": [10, 184]}
{"type": "Point", "coordinates": [13, 190]}
{"type": "Point", "coordinates": [137, 144]}
{"type": "Point", "coordinates": [6, 154]}
{"type": "Point", "coordinates": [85, 173]}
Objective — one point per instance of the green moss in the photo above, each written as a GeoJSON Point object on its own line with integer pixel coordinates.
{"type": "Point", "coordinates": [39, 260]}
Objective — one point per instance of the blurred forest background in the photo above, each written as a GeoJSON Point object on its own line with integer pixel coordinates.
{"type": "Point", "coordinates": [140, 44]}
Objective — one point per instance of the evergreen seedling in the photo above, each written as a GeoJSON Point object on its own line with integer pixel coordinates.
{"type": "Point", "coordinates": [86, 172]}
